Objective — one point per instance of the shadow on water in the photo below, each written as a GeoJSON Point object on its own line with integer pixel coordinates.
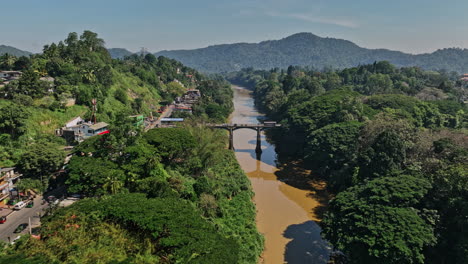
{"type": "Point", "coordinates": [267, 156]}
{"type": "Point", "coordinates": [293, 174]}
{"type": "Point", "coordinates": [306, 246]}
{"type": "Point", "coordinates": [258, 156]}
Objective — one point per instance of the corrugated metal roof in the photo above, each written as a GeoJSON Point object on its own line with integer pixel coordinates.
{"type": "Point", "coordinates": [172, 119]}
{"type": "Point", "coordinates": [6, 169]}
{"type": "Point", "coordinates": [98, 125]}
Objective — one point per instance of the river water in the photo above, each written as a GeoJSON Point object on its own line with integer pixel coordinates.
{"type": "Point", "coordinates": [288, 204]}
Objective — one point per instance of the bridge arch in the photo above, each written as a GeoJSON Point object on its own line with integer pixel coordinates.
{"type": "Point", "coordinates": [256, 127]}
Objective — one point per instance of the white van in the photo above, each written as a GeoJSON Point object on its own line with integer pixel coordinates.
{"type": "Point", "coordinates": [19, 205]}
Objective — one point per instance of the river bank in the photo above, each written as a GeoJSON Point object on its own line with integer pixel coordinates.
{"type": "Point", "coordinates": [288, 203]}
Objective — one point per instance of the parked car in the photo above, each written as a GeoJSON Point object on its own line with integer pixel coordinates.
{"type": "Point", "coordinates": [30, 204]}
{"type": "Point", "coordinates": [75, 196]}
{"type": "Point", "coordinates": [19, 205]}
{"type": "Point", "coordinates": [21, 227]}
{"type": "Point", "coordinates": [2, 219]}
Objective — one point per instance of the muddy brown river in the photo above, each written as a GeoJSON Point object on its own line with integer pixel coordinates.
{"type": "Point", "coordinates": [288, 204]}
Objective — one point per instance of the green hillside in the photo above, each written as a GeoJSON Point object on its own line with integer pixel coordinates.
{"type": "Point", "coordinates": [168, 195]}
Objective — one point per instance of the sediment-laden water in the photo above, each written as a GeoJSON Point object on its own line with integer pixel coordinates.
{"type": "Point", "coordinates": [288, 204]}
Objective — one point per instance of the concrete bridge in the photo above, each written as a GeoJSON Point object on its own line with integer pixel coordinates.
{"type": "Point", "coordinates": [257, 127]}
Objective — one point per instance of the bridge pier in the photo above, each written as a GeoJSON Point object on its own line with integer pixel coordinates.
{"type": "Point", "coordinates": [258, 149]}
{"type": "Point", "coordinates": [231, 138]}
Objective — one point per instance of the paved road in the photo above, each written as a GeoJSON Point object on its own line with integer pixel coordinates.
{"type": "Point", "coordinates": [19, 217]}
{"type": "Point", "coordinates": [167, 113]}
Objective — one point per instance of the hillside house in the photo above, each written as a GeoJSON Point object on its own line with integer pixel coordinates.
{"type": "Point", "coordinates": [10, 75]}
{"type": "Point", "coordinates": [138, 120]}
{"type": "Point", "coordinates": [182, 108]}
{"type": "Point", "coordinates": [50, 81]}
{"type": "Point", "coordinates": [78, 130]}
{"type": "Point", "coordinates": [8, 179]}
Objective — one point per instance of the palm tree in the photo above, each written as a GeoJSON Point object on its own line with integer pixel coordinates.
{"type": "Point", "coordinates": [88, 75]}
{"type": "Point", "coordinates": [7, 61]}
{"type": "Point", "coordinates": [113, 184]}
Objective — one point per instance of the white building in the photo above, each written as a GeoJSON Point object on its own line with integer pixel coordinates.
{"type": "Point", "coordinates": [8, 178]}
{"type": "Point", "coordinates": [78, 130]}
{"type": "Point", "coordinates": [10, 75]}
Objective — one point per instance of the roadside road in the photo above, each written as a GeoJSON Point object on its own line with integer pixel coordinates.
{"type": "Point", "coordinates": [20, 217]}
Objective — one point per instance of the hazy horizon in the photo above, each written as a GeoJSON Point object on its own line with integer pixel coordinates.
{"type": "Point", "coordinates": [415, 27]}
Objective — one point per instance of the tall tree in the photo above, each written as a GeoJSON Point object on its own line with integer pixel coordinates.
{"type": "Point", "coordinates": [378, 222]}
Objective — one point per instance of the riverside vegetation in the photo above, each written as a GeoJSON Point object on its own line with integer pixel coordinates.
{"type": "Point", "coordinates": [391, 144]}
{"type": "Point", "coordinates": [169, 195]}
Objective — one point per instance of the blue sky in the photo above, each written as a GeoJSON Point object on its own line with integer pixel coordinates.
{"type": "Point", "coordinates": [414, 26]}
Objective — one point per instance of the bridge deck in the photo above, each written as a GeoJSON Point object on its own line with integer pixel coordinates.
{"type": "Point", "coordinates": [242, 125]}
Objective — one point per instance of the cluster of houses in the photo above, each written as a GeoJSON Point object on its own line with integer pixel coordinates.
{"type": "Point", "coordinates": [77, 129]}
{"type": "Point", "coordinates": [183, 103]}
{"type": "Point", "coordinates": [8, 76]}
{"type": "Point", "coordinates": [8, 179]}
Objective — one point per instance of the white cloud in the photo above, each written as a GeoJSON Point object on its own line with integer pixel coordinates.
{"type": "Point", "coordinates": [317, 19]}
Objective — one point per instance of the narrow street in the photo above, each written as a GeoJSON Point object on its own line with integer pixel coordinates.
{"type": "Point", "coordinates": [167, 113]}
{"type": "Point", "coordinates": [19, 217]}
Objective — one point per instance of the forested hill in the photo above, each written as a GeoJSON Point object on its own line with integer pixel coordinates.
{"type": "Point", "coordinates": [306, 49]}
{"type": "Point", "coordinates": [115, 53]}
{"type": "Point", "coordinates": [167, 195]}
{"type": "Point", "coordinates": [391, 143]}
{"type": "Point", "coordinates": [13, 51]}
{"type": "Point", "coordinates": [119, 53]}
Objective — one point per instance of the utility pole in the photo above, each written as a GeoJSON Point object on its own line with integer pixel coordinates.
{"type": "Point", "coordinates": [30, 228]}
{"type": "Point", "coordinates": [93, 117]}
{"type": "Point", "coordinates": [143, 51]}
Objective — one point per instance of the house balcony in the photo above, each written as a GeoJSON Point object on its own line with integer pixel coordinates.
{"type": "Point", "coordinates": [3, 185]}
{"type": "Point", "coordinates": [4, 196]}
{"type": "Point", "coordinates": [15, 176]}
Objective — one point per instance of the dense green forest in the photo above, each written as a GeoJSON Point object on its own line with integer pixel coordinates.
{"type": "Point", "coordinates": [390, 142]}
{"type": "Point", "coordinates": [309, 50]}
{"type": "Point", "coordinates": [169, 195]}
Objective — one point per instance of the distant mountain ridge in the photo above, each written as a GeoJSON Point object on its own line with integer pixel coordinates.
{"type": "Point", "coordinates": [307, 49]}
{"type": "Point", "coordinates": [13, 51]}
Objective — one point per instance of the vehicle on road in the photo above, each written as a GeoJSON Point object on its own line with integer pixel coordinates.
{"type": "Point", "coordinates": [51, 198]}
{"type": "Point", "coordinates": [19, 205]}
{"type": "Point", "coordinates": [12, 202]}
{"type": "Point", "coordinates": [30, 204]}
{"type": "Point", "coordinates": [75, 196]}
{"type": "Point", "coordinates": [21, 227]}
{"type": "Point", "coordinates": [2, 219]}
{"type": "Point", "coordinates": [15, 239]}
